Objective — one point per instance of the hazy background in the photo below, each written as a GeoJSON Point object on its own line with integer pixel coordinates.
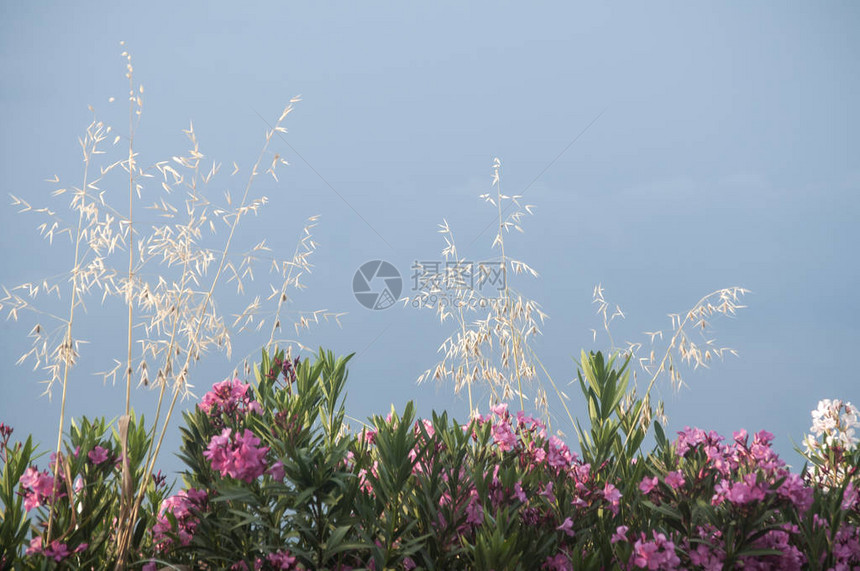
{"type": "Point", "coordinates": [722, 150]}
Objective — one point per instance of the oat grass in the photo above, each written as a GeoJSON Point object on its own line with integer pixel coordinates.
{"type": "Point", "coordinates": [492, 345]}
{"type": "Point", "coordinates": [174, 269]}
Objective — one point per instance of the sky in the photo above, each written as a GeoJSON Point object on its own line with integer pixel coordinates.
{"type": "Point", "coordinates": [669, 150]}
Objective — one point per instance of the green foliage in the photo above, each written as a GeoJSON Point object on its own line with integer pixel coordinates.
{"type": "Point", "coordinates": [80, 506]}
{"type": "Point", "coordinates": [13, 522]}
{"type": "Point", "coordinates": [276, 479]}
{"type": "Point", "coordinates": [604, 387]}
{"type": "Point", "coordinates": [300, 421]}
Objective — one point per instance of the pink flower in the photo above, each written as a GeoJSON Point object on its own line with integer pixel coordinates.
{"type": "Point", "coordinates": [645, 555]}
{"type": "Point", "coordinates": [689, 438]}
{"type": "Point", "coordinates": [798, 493]}
{"type": "Point", "coordinates": [559, 455]}
{"type": "Point", "coordinates": [369, 436]}
{"type": "Point", "coordinates": [237, 456]}
{"type": "Point", "coordinates": [558, 563]}
{"type": "Point", "coordinates": [746, 491]}
{"type": "Point", "coordinates": [656, 554]}
{"type": "Point", "coordinates": [182, 507]}
{"type": "Point", "coordinates": [706, 557]}
{"type": "Point", "coordinates": [566, 526]}
{"type": "Point", "coordinates": [419, 466]}
{"type": "Point", "coordinates": [504, 436]}
{"type": "Point", "coordinates": [29, 478]}
{"type": "Point", "coordinates": [613, 496]}
{"type": "Point", "coordinates": [620, 534]}
{"type": "Point", "coordinates": [196, 497]}
{"type": "Point", "coordinates": [38, 488]}
{"type": "Point", "coordinates": [282, 560]}
{"type": "Point", "coordinates": [787, 557]}
{"type": "Point", "coordinates": [230, 397]}
{"type": "Point", "coordinates": [276, 471]}
{"type": "Point", "coordinates": [57, 551]}
{"type": "Point", "coordinates": [764, 437]}
{"type": "Point", "coordinates": [501, 410]}
{"type": "Point", "coordinates": [474, 511]}
{"type": "Point", "coordinates": [98, 455]}
{"type": "Point", "coordinates": [739, 493]}
{"type": "Point", "coordinates": [35, 546]}
{"type": "Point", "coordinates": [674, 479]}
{"type": "Point", "coordinates": [538, 454]}
{"type": "Point", "coordinates": [849, 499]}
{"type": "Point", "coordinates": [647, 484]}
{"type": "Point", "coordinates": [547, 492]}
{"type": "Point", "coordinates": [428, 427]}
{"type": "Point", "coordinates": [518, 492]}
{"type": "Point", "coordinates": [531, 423]}
{"type": "Point", "coordinates": [363, 482]}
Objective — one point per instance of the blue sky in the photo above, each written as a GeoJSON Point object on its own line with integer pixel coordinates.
{"type": "Point", "coordinates": [722, 150]}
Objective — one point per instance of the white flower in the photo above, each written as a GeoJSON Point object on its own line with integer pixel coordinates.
{"type": "Point", "coordinates": [848, 440]}
{"type": "Point", "coordinates": [834, 423]}
{"type": "Point", "coordinates": [810, 443]}
{"type": "Point", "coordinates": [824, 418]}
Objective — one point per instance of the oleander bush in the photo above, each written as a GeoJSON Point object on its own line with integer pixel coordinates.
{"type": "Point", "coordinates": [275, 479]}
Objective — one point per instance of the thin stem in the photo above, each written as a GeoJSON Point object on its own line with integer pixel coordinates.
{"type": "Point", "coordinates": [668, 352]}
{"type": "Point", "coordinates": [130, 237]}
{"type": "Point", "coordinates": [508, 305]}
{"type": "Point", "coordinates": [67, 348]}
{"type": "Point", "coordinates": [181, 378]}
{"type": "Point", "coordinates": [283, 296]}
{"type": "Point", "coordinates": [462, 320]}
{"type": "Point", "coordinates": [124, 535]}
{"type": "Point", "coordinates": [557, 391]}
{"type": "Point", "coordinates": [125, 498]}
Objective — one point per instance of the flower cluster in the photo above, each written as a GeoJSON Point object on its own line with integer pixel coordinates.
{"type": "Point", "coordinates": [277, 560]}
{"type": "Point", "coordinates": [98, 455]}
{"type": "Point", "coordinates": [743, 478]}
{"type": "Point", "coordinates": [232, 398]}
{"type": "Point", "coordinates": [38, 488]}
{"type": "Point", "coordinates": [282, 560]}
{"type": "Point", "coordinates": [846, 549]}
{"type": "Point", "coordinates": [704, 548]}
{"type": "Point", "coordinates": [787, 557]}
{"type": "Point", "coordinates": [237, 455]}
{"type": "Point", "coordinates": [182, 507]}
{"type": "Point", "coordinates": [286, 368]}
{"type": "Point", "coordinates": [5, 433]}
{"type": "Point", "coordinates": [558, 562]}
{"type": "Point", "coordinates": [836, 421]}
{"type": "Point", "coordinates": [831, 442]}
{"type": "Point", "coordinates": [747, 471]}
{"type": "Point", "coordinates": [56, 550]}
{"type": "Point", "coordinates": [655, 553]}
